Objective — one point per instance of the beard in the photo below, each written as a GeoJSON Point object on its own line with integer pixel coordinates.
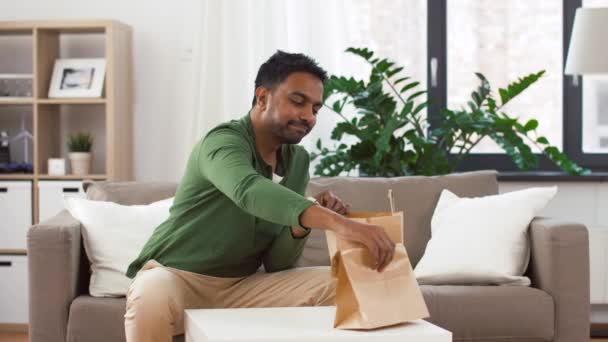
{"type": "Point", "coordinates": [292, 132]}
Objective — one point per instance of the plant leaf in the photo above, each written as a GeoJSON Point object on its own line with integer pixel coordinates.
{"type": "Point", "coordinates": [401, 80]}
{"type": "Point", "coordinates": [420, 107]}
{"type": "Point", "coordinates": [409, 86]}
{"type": "Point", "coordinates": [542, 140]}
{"type": "Point", "coordinates": [416, 94]}
{"type": "Point", "coordinates": [362, 52]}
{"type": "Point", "coordinates": [518, 86]}
{"type": "Point", "coordinates": [391, 73]}
{"type": "Point", "coordinates": [531, 125]}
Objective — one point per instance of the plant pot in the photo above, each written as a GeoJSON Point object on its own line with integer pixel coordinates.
{"type": "Point", "coordinates": [81, 162]}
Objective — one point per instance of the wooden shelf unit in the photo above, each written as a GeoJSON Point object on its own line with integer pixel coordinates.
{"type": "Point", "coordinates": [72, 101]}
{"type": "Point", "coordinates": [49, 115]}
{"type": "Point", "coordinates": [16, 100]}
{"type": "Point", "coordinates": [16, 176]}
{"type": "Point", "coordinates": [13, 252]}
{"type": "Point", "coordinates": [74, 177]}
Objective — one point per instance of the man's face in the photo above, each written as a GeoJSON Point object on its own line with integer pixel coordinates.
{"type": "Point", "coordinates": [291, 108]}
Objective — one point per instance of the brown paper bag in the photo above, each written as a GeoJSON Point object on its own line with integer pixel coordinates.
{"type": "Point", "coordinates": [366, 298]}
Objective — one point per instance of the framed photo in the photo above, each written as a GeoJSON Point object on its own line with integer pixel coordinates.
{"type": "Point", "coordinates": [78, 77]}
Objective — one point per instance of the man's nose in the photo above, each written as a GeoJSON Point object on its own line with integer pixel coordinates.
{"type": "Point", "coordinates": [307, 114]}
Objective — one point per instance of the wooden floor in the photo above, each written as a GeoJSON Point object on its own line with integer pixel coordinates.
{"type": "Point", "coordinates": [22, 337]}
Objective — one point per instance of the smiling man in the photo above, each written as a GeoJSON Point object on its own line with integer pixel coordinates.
{"type": "Point", "coordinates": [241, 205]}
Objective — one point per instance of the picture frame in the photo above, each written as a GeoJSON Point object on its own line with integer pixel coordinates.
{"type": "Point", "coordinates": [56, 167]}
{"type": "Point", "coordinates": [77, 77]}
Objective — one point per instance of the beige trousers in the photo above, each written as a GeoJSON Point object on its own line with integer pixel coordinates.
{"type": "Point", "coordinates": [159, 295]}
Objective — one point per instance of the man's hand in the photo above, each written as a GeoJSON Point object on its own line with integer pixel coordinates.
{"type": "Point", "coordinates": [330, 201]}
{"type": "Point", "coordinates": [373, 237]}
{"type": "Point", "coordinates": [297, 232]}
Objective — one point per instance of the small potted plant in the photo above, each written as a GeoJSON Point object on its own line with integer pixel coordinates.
{"type": "Point", "coordinates": [79, 145]}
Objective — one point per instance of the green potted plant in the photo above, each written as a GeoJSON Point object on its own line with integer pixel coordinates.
{"type": "Point", "coordinates": [79, 147]}
{"type": "Point", "coordinates": [392, 138]}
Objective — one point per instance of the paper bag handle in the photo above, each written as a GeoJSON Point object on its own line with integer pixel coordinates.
{"type": "Point", "coordinates": [391, 200]}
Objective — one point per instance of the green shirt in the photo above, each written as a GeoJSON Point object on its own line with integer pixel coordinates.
{"type": "Point", "coordinates": [228, 217]}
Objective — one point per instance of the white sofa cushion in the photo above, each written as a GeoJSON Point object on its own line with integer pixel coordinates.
{"type": "Point", "coordinates": [113, 236]}
{"type": "Point", "coordinates": [483, 240]}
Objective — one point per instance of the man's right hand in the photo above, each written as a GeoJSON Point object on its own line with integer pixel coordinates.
{"type": "Point", "coordinates": [373, 237]}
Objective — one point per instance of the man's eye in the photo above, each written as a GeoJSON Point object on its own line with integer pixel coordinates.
{"type": "Point", "coordinates": [297, 103]}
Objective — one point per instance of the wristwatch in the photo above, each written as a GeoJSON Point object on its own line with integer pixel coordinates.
{"type": "Point", "coordinates": [310, 198]}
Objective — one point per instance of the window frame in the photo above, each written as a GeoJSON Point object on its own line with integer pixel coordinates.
{"type": "Point", "coordinates": [572, 120]}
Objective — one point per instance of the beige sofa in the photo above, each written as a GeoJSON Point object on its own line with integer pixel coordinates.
{"type": "Point", "coordinates": [554, 308]}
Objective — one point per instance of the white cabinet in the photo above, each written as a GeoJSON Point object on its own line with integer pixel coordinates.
{"type": "Point", "coordinates": [15, 213]}
{"type": "Point", "coordinates": [50, 196]}
{"type": "Point", "coordinates": [13, 289]}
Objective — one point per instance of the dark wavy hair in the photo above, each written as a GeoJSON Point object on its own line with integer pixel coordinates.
{"type": "Point", "coordinates": [282, 64]}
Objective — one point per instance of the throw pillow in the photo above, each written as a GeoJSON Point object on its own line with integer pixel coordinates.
{"type": "Point", "coordinates": [113, 236]}
{"type": "Point", "coordinates": [483, 240]}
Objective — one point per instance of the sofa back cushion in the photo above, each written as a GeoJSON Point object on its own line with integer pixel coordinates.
{"type": "Point", "coordinates": [416, 196]}
{"type": "Point", "coordinates": [129, 193]}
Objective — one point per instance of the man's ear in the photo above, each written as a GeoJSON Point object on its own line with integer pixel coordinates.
{"type": "Point", "coordinates": [261, 96]}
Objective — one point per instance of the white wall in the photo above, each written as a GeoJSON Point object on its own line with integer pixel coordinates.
{"type": "Point", "coordinates": [581, 202]}
{"type": "Point", "coordinates": [164, 35]}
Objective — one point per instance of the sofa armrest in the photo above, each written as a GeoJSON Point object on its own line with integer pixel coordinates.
{"type": "Point", "coordinates": [53, 248]}
{"type": "Point", "coordinates": [559, 265]}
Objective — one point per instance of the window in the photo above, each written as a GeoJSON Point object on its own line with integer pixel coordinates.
{"type": "Point", "coordinates": [505, 40]}
{"type": "Point", "coordinates": [395, 30]}
{"type": "Point", "coordinates": [444, 42]}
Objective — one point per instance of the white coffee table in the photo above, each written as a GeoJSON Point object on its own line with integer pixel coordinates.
{"type": "Point", "coordinates": [298, 324]}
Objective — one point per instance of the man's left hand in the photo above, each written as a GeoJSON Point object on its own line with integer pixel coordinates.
{"type": "Point", "coordinates": [330, 201]}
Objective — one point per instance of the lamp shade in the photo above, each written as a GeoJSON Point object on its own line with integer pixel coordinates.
{"type": "Point", "coordinates": [588, 51]}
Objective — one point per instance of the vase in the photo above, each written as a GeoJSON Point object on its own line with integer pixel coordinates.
{"type": "Point", "coordinates": [81, 162]}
